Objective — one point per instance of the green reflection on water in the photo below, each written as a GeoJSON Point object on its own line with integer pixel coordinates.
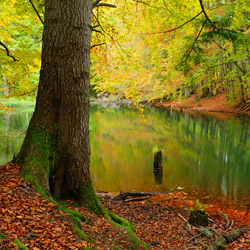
{"type": "Point", "coordinates": [199, 151]}
{"type": "Point", "coordinates": [12, 132]}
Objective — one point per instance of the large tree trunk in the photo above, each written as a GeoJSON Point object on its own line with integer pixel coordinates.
{"type": "Point", "coordinates": [56, 152]}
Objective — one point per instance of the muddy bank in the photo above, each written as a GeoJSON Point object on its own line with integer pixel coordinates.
{"type": "Point", "coordinates": [216, 104]}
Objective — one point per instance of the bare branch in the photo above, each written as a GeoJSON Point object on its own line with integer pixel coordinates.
{"type": "Point", "coordinates": [95, 3]}
{"type": "Point", "coordinates": [8, 52]}
{"type": "Point", "coordinates": [98, 31]}
{"type": "Point", "coordinates": [205, 14]}
{"type": "Point", "coordinates": [33, 6]}
{"type": "Point", "coordinates": [95, 45]}
{"type": "Point", "coordinates": [93, 76]}
{"type": "Point", "coordinates": [106, 5]}
{"type": "Point", "coordinates": [190, 20]}
{"type": "Point", "coordinates": [218, 45]}
{"type": "Point", "coordinates": [96, 26]}
{"type": "Point", "coordinates": [27, 93]}
{"type": "Point", "coordinates": [151, 6]}
{"type": "Point", "coordinates": [196, 39]}
{"type": "Point", "coordinates": [166, 31]}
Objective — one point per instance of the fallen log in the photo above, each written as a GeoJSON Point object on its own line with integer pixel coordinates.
{"type": "Point", "coordinates": [222, 240]}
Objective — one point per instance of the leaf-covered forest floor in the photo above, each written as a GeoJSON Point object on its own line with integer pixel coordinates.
{"type": "Point", "coordinates": [217, 104]}
{"type": "Point", "coordinates": [160, 221]}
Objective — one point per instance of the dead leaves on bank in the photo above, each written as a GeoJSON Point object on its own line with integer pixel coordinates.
{"type": "Point", "coordinates": [161, 222]}
{"type": "Point", "coordinates": [38, 224]}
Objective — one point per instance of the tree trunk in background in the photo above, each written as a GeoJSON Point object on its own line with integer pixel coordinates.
{"type": "Point", "coordinates": [5, 82]}
{"type": "Point", "coordinates": [56, 152]}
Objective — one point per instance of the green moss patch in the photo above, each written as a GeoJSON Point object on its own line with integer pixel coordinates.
{"type": "Point", "coordinates": [20, 245]}
{"type": "Point", "coordinates": [123, 223]}
{"type": "Point", "coordinates": [2, 236]}
{"type": "Point", "coordinates": [42, 155]}
{"type": "Point", "coordinates": [91, 201]}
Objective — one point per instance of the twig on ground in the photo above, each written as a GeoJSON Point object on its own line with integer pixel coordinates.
{"type": "Point", "coordinates": [214, 231]}
{"type": "Point", "coordinates": [193, 238]}
{"type": "Point", "coordinates": [227, 220]}
{"type": "Point", "coordinates": [188, 225]}
{"type": "Point", "coordinates": [25, 190]}
{"type": "Point", "coordinates": [188, 229]}
{"type": "Point", "coordinates": [188, 248]}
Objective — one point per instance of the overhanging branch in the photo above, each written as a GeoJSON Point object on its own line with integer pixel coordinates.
{"type": "Point", "coordinates": [95, 3]}
{"type": "Point", "coordinates": [205, 14]}
{"type": "Point", "coordinates": [98, 3]}
{"type": "Point", "coordinates": [106, 5]}
{"type": "Point", "coordinates": [195, 41]}
{"type": "Point", "coordinates": [8, 52]}
{"type": "Point", "coordinates": [95, 45]}
{"type": "Point", "coordinates": [33, 6]}
{"type": "Point", "coordinates": [190, 20]}
{"type": "Point", "coordinates": [176, 28]}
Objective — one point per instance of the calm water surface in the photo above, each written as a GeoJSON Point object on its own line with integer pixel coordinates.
{"type": "Point", "coordinates": [200, 152]}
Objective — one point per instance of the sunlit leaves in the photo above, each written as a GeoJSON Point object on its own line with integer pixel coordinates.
{"type": "Point", "coordinates": [21, 32]}
{"type": "Point", "coordinates": [160, 57]}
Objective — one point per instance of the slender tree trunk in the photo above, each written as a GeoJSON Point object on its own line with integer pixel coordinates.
{"type": "Point", "coordinates": [56, 152]}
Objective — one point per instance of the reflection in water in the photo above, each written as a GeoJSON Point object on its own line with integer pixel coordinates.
{"type": "Point", "coordinates": [157, 168]}
{"type": "Point", "coordinates": [199, 151]}
{"type": "Point", "coordinates": [12, 131]}
{"type": "Point", "coordinates": [158, 174]}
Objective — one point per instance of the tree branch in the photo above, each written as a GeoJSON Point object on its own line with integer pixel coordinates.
{"type": "Point", "coordinates": [98, 31]}
{"type": "Point", "coordinates": [8, 52]}
{"type": "Point", "coordinates": [166, 31]}
{"type": "Point", "coordinates": [151, 6]}
{"type": "Point", "coordinates": [106, 5]}
{"type": "Point", "coordinates": [189, 52]}
{"type": "Point", "coordinates": [33, 6]}
{"type": "Point", "coordinates": [93, 76]}
{"type": "Point", "coordinates": [212, 23]}
{"type": "Point", "coordinates": [205, 14]}
{"type": "Point", "coordinates": [27, 93]}
{"type": "Point", "coordinates": [95, 45]}
{"type": "Point", "coordinates": [95, 3]}
{"type": "Point", "coordinates": [111, 37]}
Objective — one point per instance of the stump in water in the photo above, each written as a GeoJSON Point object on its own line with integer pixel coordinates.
{"type": "Point", "coordinates": [158, 160]}
{"type": "Point", "coordinates": [158, 167]}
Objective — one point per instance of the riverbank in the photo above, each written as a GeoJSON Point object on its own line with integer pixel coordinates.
{"type": "Point", "coordinates": [215, 104]}
{"type": "Point", "coordinates": [29, 221]}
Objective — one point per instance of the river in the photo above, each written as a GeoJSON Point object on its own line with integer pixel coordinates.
{"type": "Point", "coordinates": [200, 152]}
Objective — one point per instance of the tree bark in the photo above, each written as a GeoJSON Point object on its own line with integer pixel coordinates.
{"type": "Point", "coordinates": [56, 153]}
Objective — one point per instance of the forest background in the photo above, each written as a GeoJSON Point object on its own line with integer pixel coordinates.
{"type": "Point", "coordinates": [141, 50]}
